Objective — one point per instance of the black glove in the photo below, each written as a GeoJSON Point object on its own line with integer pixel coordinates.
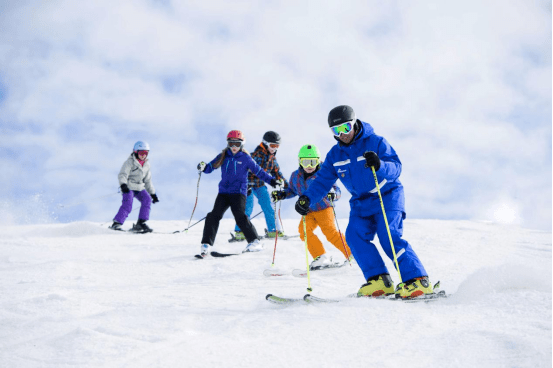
{"type": "Point", "coordinates": [125, 188]}
{"type": "Point", "coordinates": [154, 198]}
{"type": "Point", "coordinates": [274, 182]}
{"type": "Point", "coordinates": [331, 196]}
{"type": "Point", "coordinates": [201, 166]}
{"type": "Point", "coordinates": [372, 160]}
{"type": "Point", "coordinates": [277, 195]}
{"type": "Point", "coordinates": [302, 205]}
{"type": "Point", "coordinates": [249, 192]}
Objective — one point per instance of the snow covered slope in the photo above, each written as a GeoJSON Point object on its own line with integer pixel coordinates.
{"type": "Point", "coordinates": [80, 295]}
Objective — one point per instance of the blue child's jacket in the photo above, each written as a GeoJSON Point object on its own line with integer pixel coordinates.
{"type": "Point", "coordinates": [234, 172]}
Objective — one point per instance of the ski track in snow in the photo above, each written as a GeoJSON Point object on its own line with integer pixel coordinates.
{"type": "Point", "coordinates": [80, 295]}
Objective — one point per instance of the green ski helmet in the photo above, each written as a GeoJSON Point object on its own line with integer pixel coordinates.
{"type": "Point", "coordinates": [309, 151]}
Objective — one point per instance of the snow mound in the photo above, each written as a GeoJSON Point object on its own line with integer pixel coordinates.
{"type": "Point", "coordinates": [74, 229]}
{"type": "Point", "coordinates": [507, 278]}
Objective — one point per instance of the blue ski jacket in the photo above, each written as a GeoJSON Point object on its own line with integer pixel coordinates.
{"type": "Point", "coordinates": [346, 162]}
{"type": "Point", "coordinates": [234, 172]}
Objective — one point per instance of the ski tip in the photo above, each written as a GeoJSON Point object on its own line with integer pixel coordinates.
{"type": "Point", "coordinates": [268, 296]}
{"type": "Point", "coordinates": [271, 273]}
{"type": "Point", "coordinates": [299, 273]}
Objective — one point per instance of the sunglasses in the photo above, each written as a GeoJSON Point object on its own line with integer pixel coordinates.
{"type": "Point", "coordinates": [142, 153]}
{"type": "Point", "coordinates": [235, 144]}
{"type": "Point", "coordinates": [344, 128]}
{"type": "Point", "coordinates": [309, 162]}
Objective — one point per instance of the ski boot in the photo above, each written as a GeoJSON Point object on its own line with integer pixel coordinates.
{"type": "Point", "coordinates": [141, 227]}
{"type": "Point", "coordinates": [254, 246]}
{"type": "Point", "coordinates": [204, 250]}
{"type": "Point", "coordinates": [378, 285]}
{"type": "Point", "coordinates": [414, 288]}
{"type": "Point", "coordinates": [116, 226]}
{"type": "Point", "coordinates": [273, 234]}
{"type": "Point", "coordinates": [321, 261]}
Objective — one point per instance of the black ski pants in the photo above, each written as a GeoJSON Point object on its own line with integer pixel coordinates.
{"type": "Point", "coordinates": [237, 204]}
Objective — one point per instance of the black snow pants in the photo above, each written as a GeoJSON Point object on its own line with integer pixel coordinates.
{"type": "Point", "coordinates": [237, 204]}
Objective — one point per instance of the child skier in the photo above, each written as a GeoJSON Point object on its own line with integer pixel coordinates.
{"type": "Point", "coordinates": [135, 180]}
{"type": "Point", "coordinates": [234, 162]}
{"type": "Point", "coordinates": [320, 213]}
{"type": "Point", "coordinates": [264, 156]}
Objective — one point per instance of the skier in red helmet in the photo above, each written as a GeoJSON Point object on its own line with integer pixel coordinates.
{"type": "Point", "coordinates": [235, 162]}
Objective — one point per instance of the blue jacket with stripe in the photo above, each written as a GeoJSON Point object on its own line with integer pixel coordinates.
{"type": "Point", "coordinates": [234, 172]}
{"type": "Point", "coordinates": [346, 162]}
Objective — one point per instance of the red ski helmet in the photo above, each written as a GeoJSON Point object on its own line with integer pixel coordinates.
{"type": "Point", "coordinates": [235, 135]}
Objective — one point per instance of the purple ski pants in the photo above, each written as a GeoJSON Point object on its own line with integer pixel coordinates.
{"type": "Point", "coordinates": [126, 207]}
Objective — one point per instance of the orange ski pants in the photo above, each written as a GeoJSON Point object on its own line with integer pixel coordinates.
{"type": "Point", "coordinates": [324, 219]}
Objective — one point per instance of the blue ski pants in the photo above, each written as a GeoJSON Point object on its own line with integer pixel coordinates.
{"type": "Point", "coordinates": [264, 200]}
{"type": "Point", "coordinates": [360, 235]}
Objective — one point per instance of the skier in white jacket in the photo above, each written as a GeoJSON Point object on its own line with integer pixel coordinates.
{"type": "Point", "coordinates": [135, 180]}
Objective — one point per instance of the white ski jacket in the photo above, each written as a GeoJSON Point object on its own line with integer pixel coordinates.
{"type": "Point", "coordinates": [136, 176]}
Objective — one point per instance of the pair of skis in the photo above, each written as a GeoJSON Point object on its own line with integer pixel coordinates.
{"type": "Point", "coordinates": [220, 255]}
{"type": "Point", "coordinates": [234, 239]}
{"type": "Point", "coordinates": [310, 299]}
{"type": "Point", "coordinates": [302, 273]}
{"type": "Point", "coordinates": [134, 230]}
{"type": "Point", "coordinates": [217, 255]}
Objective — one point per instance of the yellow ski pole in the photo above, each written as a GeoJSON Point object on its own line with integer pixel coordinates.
{"type": "Point", "coordinates": [387, 226]}
{"type": "Point", "coordinates": [309, 289]}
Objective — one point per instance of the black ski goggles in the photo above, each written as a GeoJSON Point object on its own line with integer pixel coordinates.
{"type": "Point", "coordinates": [236, 144]}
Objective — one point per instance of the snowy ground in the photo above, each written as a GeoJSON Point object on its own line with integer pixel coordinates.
{"type": "Point", "coordinates": [79, 295]}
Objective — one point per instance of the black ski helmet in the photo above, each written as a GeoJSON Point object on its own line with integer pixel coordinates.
{"type": "Point", "coordinates": [340, 114]}
{"type": "Point", "coordinates": [271, 137]}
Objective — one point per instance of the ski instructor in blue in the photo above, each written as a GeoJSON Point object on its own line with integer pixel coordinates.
{"type": "Point", "coordinates": [350, 160]}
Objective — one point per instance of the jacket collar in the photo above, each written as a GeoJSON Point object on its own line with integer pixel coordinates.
{"type": "Point", "coordinates": [135, 159]}
{"type": "Point", "coordinates": [265, 150]}
{"type": "Point", "coordinates": [307, 175]}
{"type": "Point", "coordinates": [238, 154]}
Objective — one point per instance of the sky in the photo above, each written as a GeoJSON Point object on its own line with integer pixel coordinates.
{"type": "Point", "coordinates": [461, 90]}
{"type": "Point", "coordinates": [79, 295]}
